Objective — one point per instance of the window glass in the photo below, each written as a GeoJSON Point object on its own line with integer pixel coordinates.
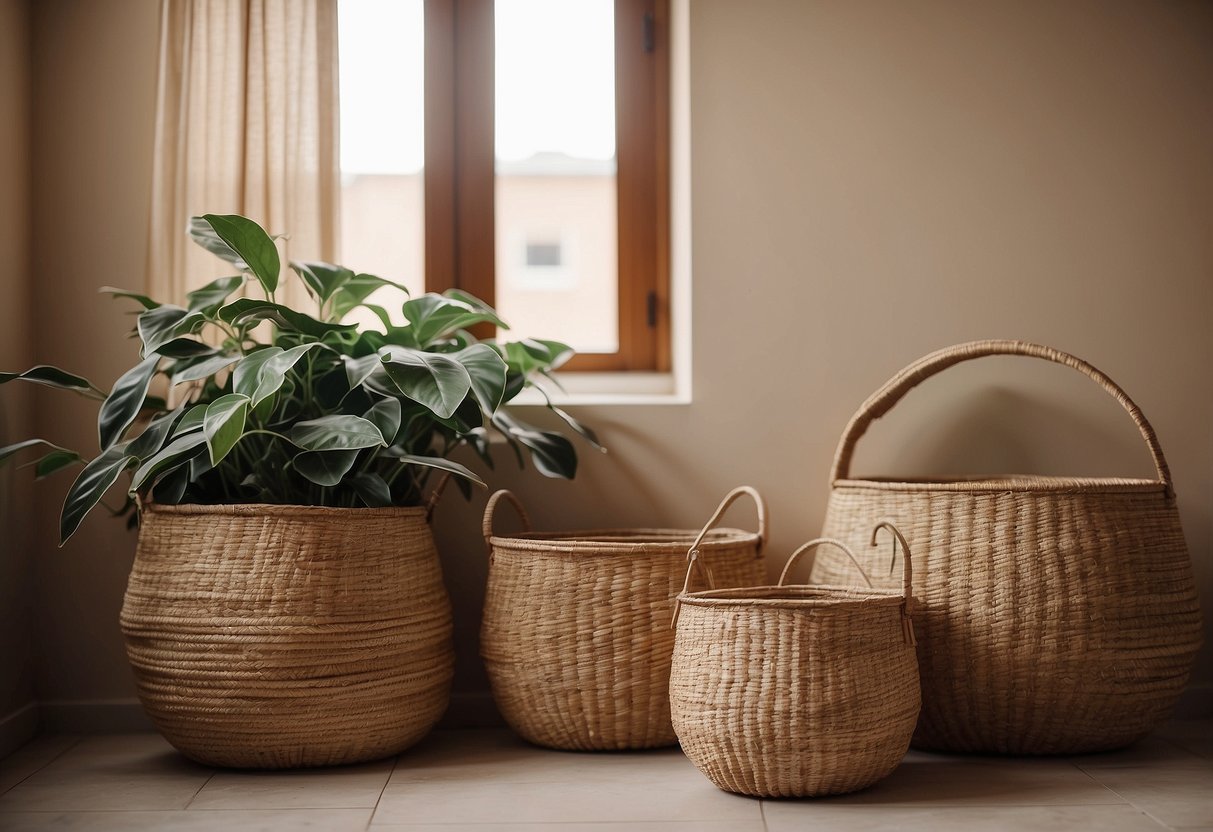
{"type": "Point", "coordinates": [555, 164]}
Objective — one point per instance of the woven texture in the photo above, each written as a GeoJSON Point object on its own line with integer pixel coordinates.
{"type": "Point", "coordinates": [794, 691]}
{"type": "Point", "coordinates": [281, 636]}
{"type": "Point", "coordinates": [1059, 615]}
{"type": "Point", "coordinates": [576, 635]}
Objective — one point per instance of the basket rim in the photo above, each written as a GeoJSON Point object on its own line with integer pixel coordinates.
{"type": "Point", "coordinates": [623, 541]}
{"type": "Point", "coordinates": [280, 510]}
{"type": "Point", "coordinates": [1020, 483]}
{"type": "Point", "coordinates": [823, 596]}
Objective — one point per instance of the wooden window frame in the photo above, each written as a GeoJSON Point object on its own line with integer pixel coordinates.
{"type": "Point", "coordinates": [459, 175]}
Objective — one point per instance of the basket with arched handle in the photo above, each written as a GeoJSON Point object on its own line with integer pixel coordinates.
{"type": "Point", "coordinates": [796, 691]}
{"type": "Point", "coordinates": [576, 632]}
{"type": "Point", "coordinates": [1059, 613]}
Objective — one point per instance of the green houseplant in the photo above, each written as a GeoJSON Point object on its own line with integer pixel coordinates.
{"type": "Point", "coordinates": [286, 606]}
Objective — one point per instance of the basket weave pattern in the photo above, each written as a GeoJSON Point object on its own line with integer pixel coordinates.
{"type": "Point", "coordinates": [576, 635]}
{"type": "Point", "coordinates": [281, 636]}
{"type": "Point", "coordinates": [1058, 615]}
{"type": "Point", "coordinates": [794, 691]}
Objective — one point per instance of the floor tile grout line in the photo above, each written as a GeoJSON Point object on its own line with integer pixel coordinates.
{"type": "Point", "coordinates": [374, 809]}
{"type": "Point", "coordinates": [75, 742]}
{"type": "Point", "coordinates": [194, 796]}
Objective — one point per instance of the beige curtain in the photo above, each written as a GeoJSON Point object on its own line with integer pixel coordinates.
{"type": "Point", "coordinates": [246, 123]}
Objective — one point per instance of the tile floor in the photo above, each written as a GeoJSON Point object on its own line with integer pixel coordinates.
{"type": "Point", "coordinates": [479, 781]}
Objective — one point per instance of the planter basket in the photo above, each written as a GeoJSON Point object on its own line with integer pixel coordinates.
{"type": "Point", "coordinates": [266, 636]}
{"type": "Point", "coordinates": [576, 635]}
{"type": "Point", "coordinates": [795, 691]}
{"type": "Point", "coordinates": [1059, 614]}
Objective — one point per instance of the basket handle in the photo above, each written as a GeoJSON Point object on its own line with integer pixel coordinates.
{"type": "Point", "coordinates": [729, 499]}
{"type": "Point", "coordinates": [907, 577]}
{"type": "Point", "coordinates": [693, 554]}
{"type": "Point", "coordinates": [823, 541]}
{"type": "Point", "coordinates": [883, 400]}
{"type": "Point", "coordinates": [490, 509]}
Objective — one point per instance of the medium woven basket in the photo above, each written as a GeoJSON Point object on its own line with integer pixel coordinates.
{"type": "Point", "coordinates": [1059, 614]}
{"type": "Point", "coordinates": [576, 635]}
{"type": "Point", "coordinates": [795, 691]}
{"type": "Point", "coordinates": [266, 636]}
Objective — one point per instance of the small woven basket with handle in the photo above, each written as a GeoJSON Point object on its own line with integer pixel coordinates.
{"type": "Point", "coordinates": [576, 636]}
{"type": "Point", "coordinates": [1059, 614]}
{"type": "Point", "coordinates": [796, 691]}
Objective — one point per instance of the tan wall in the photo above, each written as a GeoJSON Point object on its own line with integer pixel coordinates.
{"type": "Point", "coordinates": [871, 180]}
{"type": "Point", "coordinates": [16, 351]}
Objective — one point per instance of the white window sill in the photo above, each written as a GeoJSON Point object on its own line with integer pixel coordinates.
{"type": "Point", "coordinates": [611, 389]}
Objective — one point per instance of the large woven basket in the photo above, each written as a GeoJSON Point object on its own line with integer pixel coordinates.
{"type": "Point", "coordinates": [576, 635]}
{"type": "Point", "coordinates": [795, 691]}
{"type": "Point", "coordinates": [267, 636]}
{"type": "Point", "coordinates": [1059, 614]}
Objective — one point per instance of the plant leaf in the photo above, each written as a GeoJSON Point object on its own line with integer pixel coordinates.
{"type": "Point", "coordinates": [385, 415]}
{"type": "Point", "coordinates": [55, 461]}
{"type": "Point", "coordinates": [170, 487]}
{"type": "Point", "coordinates": [325, 468]}
{"type": "Point", "coordinates": [223, 424]}
{"type": "Point", "coordinates": [336, 433]}
{"type": "Point", "coordinates": [152, 439]}
{"type": "Point", "coordinates": [16, 448]}
{"type": "Point", "coordinates": [180, 449]}
{"type": "Point", "coordinates": [142, 300]}
{"type": "Point", "coordinates": [191, 421]}
{"type": "Point", "coordinates": [211, 296]}
{"type": "Point", "coordinates": [432, 317]}
{"type": "Point", "coordinates": [165, 324]}
{"type": "Point", "coordinates": [202, 368]}
{"type": "Point", "coordinates": [250, 310]}
{"type": "Point", "coordinates": [273, 371]}
{"type": "Point", "coordinates": [441, 463]}
{"type": "Point", "coordinates": [90, 486]}
{"type": "Point", "coordinates": [372, 489]}
{"type": "Point", "coordinates": [250, 242]}
{"type": "Point", "coordinates": [356, 290]}
{"type": "Point", "coordinates": [436, 381]}
{"type": "Point", "coordinates": [203, 234]}
{"type": "Point", "coordinates": [552, 453]}
{"type": "Point", "coordinates": [321, 279]}
{"type": "Point", "coordinates": [54, 377]}
{"type": "Point", "coordinates": [487, 372]}
{"type": "Point", "coordinates": [357, 369]}
{"type": "Point", "coordinates": [247, 373]}
{"type": "Point", "coordinates": [124, 402]}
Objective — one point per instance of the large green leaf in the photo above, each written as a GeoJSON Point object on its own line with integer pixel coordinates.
{"type": "Point", "coordinates": [148, 443]}
{"type": "Point", "coordinates": [203, 234]}
{"type": "Point", "coordinates": [247, 373]}
{"type": "Point", "coordinates": [200, 368]}
{"type": "Point", "coordinates": [142, 300]}
{"type": "Point", "coordinates": [211, 296]}
{"type": "Point", "coordinates": [436, 381]}
{"type": "Point", "coordinates": [385, 415]}
{"type": "Point", "coordinates": [250, 310]}
{"type": "Point", "coordinates": [358, 369]}
{"type": "Point", "coordinates": [191, 421]}
{"type": "Point", "coordinates": [124, 402]}
{"type": "Point", "coordinates": [165, 324]}
{"type": "Point", "coordinates": [181, 449]}
{"type": "Point", "coordinates": [533, 354]}
{"type": "Point", "coordinates": [50, 376]}
{"type": "Point", "coordinates": [325, 468]}
{"type": "Point", "coordinates": [433, 317]}
{"type": "Point", "coordinates": [372, 489]}
{"type": "Point", "coordinates": [321, 279]}
{"type": "Point", "coordinates": [336, 433]}
{"type": "Point", "coordinates": [273, 371]}
{"type": "Point", "coordinates": [56, 461]}
{"type": "Point", "coordinates": [552, 453]}
{"type": "Point", "coordinates": [487, 372]}
{"type": "Point", "coordinates": [252, 244]}
{"type": "Point", "coordinates": [441, 463]}
{"type": "Point", "coordinates": [90, 486]}
{"type": "Point", "coordinates": [584, 431]}
{"type": "Point", "coordinates": [356, 290]}
{"type": "Point", "coordinates": [223, 424]}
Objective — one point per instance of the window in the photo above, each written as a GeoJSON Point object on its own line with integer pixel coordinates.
{"type": "Point", "coordinates": [517, 150]}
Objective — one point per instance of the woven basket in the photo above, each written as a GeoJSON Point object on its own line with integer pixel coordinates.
{"type": "Point", "coordinates": [576, 635]}
{"type": "Point", "coordinates": [795, 691]}
{"type": "Point", "coordinates": [1060, 614]}
{"type": "Point", "coordinates": [266, 636]}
